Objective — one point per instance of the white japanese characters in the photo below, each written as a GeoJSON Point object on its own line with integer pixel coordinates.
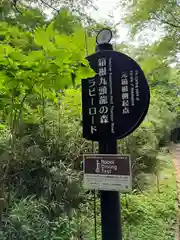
{"type": "Point", "coordinates": [102, 71]}
{"type": "Point", "coordinates": [104, 172]}
{"type": "Point", "coordinates": [104, 119]}
{"type": "Point", "coordinates": [92, 109]}
{"type": "Point", "coordinates": [103, 81]}
{"type": "Point", "coordinates": [103, 91]}
{"type": "Point", "coordinates": [129, 90]}
{"type": "Point", "coordinates": [102, 62]}
{"type": "Point", "coordinates": [116, 100]}
{"type": "Point", "coordinates": [125, 93]}
{"type": "Point", "coordinates": [103, 100]}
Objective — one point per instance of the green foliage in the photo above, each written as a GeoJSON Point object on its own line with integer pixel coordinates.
{"type": "Point", "coordinates": [49, 67]}
{"type": "Point", "coordinates": [27, 220]}
{"type": "Point", "coordinates": [45, 165]}
{"type": "Point", "coordinates": [145, 143]}
{"type": "Point", "coordinates": [66, 22]}
{"type": "Point", "coordinates": [29, 19]}
{"type": "Point", "coordinates": [157, 15]}
{"type": "Point", "coordinates": [41, 186]}
{"type": "Point", "coordinates": [41, 145]}
{"type": "Point", "coordinates": [152, 215]}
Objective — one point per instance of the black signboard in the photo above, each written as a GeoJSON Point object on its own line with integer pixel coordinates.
{"type": "Point", "coordinates": [116, 100]}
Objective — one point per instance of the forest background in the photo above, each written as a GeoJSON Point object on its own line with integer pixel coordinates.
{"type": "Point", "coordinates": [42, 62]}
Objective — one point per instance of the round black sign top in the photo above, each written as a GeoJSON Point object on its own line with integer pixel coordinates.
{"type": "Point", "coordinates": [116, 100]}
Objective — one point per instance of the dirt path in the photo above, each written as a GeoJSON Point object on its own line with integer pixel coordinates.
{"type": "Point", "coordinates": [176, 160]}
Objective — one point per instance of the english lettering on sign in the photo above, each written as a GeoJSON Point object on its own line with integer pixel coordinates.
{"type": "Point", "coordinates": [110, 172]}
{"type": "Point", "coordinates": [119, 84]}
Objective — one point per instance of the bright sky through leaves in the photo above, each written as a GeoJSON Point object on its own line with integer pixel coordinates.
{"type": "Point", "coordinates": [112, 11]}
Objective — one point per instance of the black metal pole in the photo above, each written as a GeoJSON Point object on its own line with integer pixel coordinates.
{"type": "Point", "coordinates": [110, 202]}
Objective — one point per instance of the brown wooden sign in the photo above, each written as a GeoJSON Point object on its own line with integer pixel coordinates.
{"type": "Point", "coordinates": [107, 172]}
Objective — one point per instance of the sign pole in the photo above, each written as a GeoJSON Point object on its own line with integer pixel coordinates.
{"type": "Point", "coordinates": [110, 202]}
{"type": "Point", "coordinates": [114, 102]}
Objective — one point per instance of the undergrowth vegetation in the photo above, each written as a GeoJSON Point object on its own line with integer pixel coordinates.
{"type": "Point", "coordinates": [41, 191]}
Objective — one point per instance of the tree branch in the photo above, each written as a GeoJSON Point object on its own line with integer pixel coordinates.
{"type": "Point", "coordinates": [50, 6]}
{"type": "Point", "coordinates": [178, 21]}
{"type": "Point", "coordinates": [14, 3]}
{"type": "Point", "coordinates": [165, 22]}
